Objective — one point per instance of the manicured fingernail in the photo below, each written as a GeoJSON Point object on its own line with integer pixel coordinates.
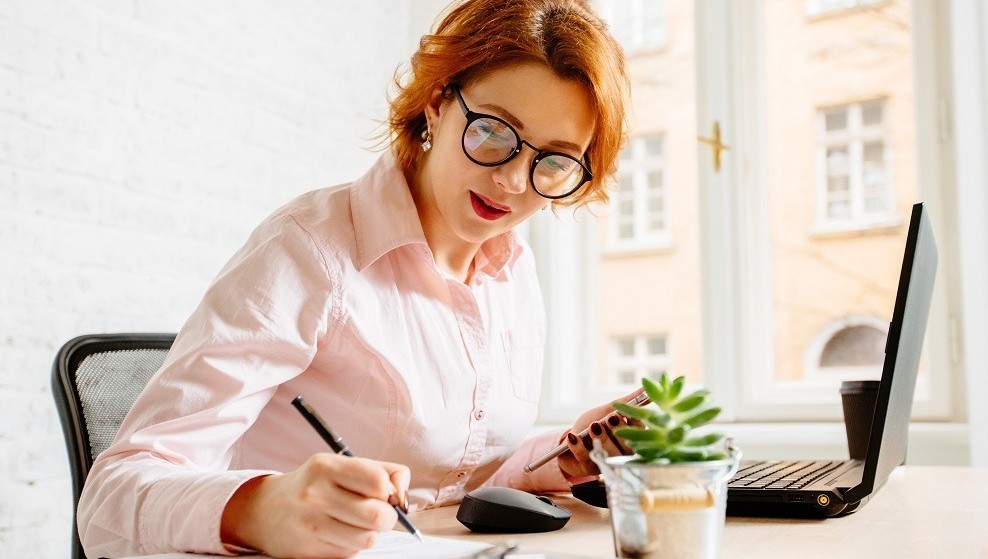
{"type": "Point", "coordinates": [404, 504]}
{"type": "Point", "coordinates": [393, 500]}
{"type": "Point", "coordinates": [596, 429]}
{"type": "Point", "coordinates": [613, 421]}
{"type": "Point", "coordinates": [571, 438]}
{"type": "Point", "coordinates": [588, 442]}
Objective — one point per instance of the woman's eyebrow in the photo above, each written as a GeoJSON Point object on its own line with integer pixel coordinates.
{"type": "Point", "coordinates": [506, 115]}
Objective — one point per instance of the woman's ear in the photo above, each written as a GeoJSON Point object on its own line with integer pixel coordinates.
{"type": "Point", "coordinates": [434, 107]}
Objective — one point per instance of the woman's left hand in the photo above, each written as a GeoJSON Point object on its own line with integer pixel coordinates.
{"type": "Point", "coordinates": [600, 423]}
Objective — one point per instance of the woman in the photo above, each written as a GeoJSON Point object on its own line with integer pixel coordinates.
{"type": "Point", "coordinates": [402, 306]}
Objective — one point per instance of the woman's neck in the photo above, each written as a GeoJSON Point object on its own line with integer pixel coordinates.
{"type": "Point", "coordinates": [451, 254]}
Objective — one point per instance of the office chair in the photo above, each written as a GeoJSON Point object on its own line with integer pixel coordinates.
{"type": "Point", "coordinates": [95, 380]}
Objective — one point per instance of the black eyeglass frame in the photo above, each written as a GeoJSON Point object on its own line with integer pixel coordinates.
{"type": "Point", "coordinates": [472, 116]}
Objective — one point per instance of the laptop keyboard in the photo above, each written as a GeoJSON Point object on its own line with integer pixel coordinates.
{"type": "Point", "coordinates": [775, 474]}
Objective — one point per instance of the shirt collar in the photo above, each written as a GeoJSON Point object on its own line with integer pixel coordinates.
{"type": "Point", "coordinates": [385, 218]}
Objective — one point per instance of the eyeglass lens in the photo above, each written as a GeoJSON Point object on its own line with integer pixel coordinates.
{"type": "Point", "coordinates": [489, 141]}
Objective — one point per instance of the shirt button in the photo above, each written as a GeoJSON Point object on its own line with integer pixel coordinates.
{"type": "Point", "coordinates": [460, 474]}
{"type": "Point", "coordinates": [479, 414]}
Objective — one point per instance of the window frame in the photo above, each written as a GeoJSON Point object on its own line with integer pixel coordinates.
{"type": "Point", "coordinates": [854, 136]}
{"type": "Point", "coordinates": [640, 361]}
{"type": "Point", "coordinates": [641, 165]}
{"type": "Point", "coordinates": [635, 43]}
{"type": "Point", "coordinates": [736, 290]}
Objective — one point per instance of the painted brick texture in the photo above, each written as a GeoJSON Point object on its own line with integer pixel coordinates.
{"type": "Point", "coordinates": [140, 142]}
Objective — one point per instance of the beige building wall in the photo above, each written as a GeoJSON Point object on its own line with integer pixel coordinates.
{"type": "Point", "coordinates": [817, 277]}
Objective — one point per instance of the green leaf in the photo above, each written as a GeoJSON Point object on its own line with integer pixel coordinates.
{"type": "Point", "coordinates": [676, 388]}
{"type": "Point", "coordinates": [702, 417]}
{"type": "Point", "coordinates": [649, 445]}
{"type": "Point", "coordinates": [677, 434]}
{"type": "Point", "coordinates": [654, 391]}
{"type": "Point", "coordinates": [658, 420]}
{"type": "Point", "coordinates": [692, 401]}
{"type": "Point", "coordinates": [705, 440]}
{"type": "Point", "coordinates": [687, 455]}
{"type": "Point", "coordinates": [638, 434]}
{"type": "Point", "coordinates": [632, 411]}
{"type": "Point", "coordinates": [664, 381]}
{"type": "Point", "coordinates": [651, 454]}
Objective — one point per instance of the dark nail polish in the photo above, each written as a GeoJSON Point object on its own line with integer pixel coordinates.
{"type": "Point", "coordinates": [588, 442]}
{"type": "Point", "coordinates": [571, 438]}
{"type": "Point", "coordinates": [596, 429]}
{"type": "Point", "coordinates": [613, 421]}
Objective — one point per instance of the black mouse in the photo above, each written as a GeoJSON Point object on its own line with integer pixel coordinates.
{"type": "Point", "coordinates": [507, 510]}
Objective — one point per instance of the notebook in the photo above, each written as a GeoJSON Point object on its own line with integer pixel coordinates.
{"type": "Point", "coordinates": [833, 488]}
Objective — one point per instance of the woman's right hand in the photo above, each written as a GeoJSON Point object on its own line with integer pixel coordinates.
{"type": "Point", "coordinates": [331, 506]}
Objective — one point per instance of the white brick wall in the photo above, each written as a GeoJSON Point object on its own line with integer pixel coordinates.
{"type": "Point", "coordinates": [140, 142]}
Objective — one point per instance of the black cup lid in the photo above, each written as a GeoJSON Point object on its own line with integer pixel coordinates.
{"type": "Point", "coordinates": [855, 386]}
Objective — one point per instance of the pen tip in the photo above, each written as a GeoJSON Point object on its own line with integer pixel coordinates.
{"type": "Point", "coordinates": [419, 536]}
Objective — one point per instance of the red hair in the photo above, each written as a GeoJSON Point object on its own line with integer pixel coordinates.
{"type": "Point", "coordinates": [477, 36]}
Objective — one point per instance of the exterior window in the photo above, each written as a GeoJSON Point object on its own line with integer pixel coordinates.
{"type": "Point", "coordinates": [852, 347]}
{"type": "Point", "coordinates": [639, 25]}
{"type": "Point", "coordinates": [855, 183]}
{"type": "Point", "coordinates": [820, 7]}
{"type": "Point", "coordinates": [634, 357]}
{"type": "Point", "coordinates": [639, 213]}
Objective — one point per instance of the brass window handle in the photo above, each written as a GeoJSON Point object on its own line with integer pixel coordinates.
{"type": "Point", "coordinates": [716, 144]}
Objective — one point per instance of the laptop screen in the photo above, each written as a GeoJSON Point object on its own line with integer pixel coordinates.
{"type": "Point", "coordinates": [890, 426]}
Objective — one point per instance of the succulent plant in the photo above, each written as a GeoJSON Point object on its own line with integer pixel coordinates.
{"type": "Point", "coordinates": [667, 433]}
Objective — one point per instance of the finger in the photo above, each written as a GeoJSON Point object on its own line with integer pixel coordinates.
{"type": "Point", "coordinates": [401, 477]}
{"type": "Point", "coordinates": [631, 396]}
{"type": "Point", "coordinates": [599, 432]}
{"type": "Point", "coordinates": [578, 448]}
{"type": "Point", "coordinates": [609, 427]}
{"type": "Point", "coordinates": [360, 512]}
{"type": "Point", "coordinates": [350, 539]}
{"type": "Point", "coordinates": [364, 477]}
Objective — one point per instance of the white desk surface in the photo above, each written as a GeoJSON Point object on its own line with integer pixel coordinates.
{"type": "Point", "coordinates": [922, 511]}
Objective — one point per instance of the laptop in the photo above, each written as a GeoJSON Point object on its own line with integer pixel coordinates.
{"type": "Point", "coordinates": [823, 489]}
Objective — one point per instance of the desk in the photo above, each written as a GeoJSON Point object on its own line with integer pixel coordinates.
{"type": "Point", "coordinates": [928, 512]}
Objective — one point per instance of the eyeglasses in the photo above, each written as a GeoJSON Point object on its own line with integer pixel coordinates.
{"type": "Point", "coordinates": [489, 141]}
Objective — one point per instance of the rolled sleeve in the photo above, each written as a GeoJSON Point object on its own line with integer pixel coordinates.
{"type": "Point", "coordinates": [164, 483]}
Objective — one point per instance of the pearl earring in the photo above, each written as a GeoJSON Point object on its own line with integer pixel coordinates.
{"type": "Point", "coordinates": [426, 140]}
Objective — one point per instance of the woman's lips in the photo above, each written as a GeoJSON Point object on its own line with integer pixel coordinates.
{"type": "Point", "coordinates": [486, 208]}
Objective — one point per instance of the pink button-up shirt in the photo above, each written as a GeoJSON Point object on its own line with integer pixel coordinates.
{"type": "Point", "coordinates": [336, 296]}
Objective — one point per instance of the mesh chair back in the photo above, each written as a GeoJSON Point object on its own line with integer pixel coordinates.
{"type": "Point", "coordinates": [95, 381]}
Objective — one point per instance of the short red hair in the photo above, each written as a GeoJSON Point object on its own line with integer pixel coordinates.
{"type": "Point", "coordinates": [477, 36]}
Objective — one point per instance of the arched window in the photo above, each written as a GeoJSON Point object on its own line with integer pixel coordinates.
{"type": "Point", "coordinates": [851, 346]}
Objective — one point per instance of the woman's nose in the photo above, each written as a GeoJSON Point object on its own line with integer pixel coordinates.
{"type": "Point", "coordinates": [512, 176]}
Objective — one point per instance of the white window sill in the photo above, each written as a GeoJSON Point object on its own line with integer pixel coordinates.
{"type": "Point", "coordinates": [638, 248]}
{"type": "Point", "coordinates": [851, 228]}
{"type": "Point", "coordinates": [942, 444]}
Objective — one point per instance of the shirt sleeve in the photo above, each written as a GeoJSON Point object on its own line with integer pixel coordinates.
{"type": "Point", "coordinates": [546, 479]}
{"type": "Point", "coordinates": [163, 484]}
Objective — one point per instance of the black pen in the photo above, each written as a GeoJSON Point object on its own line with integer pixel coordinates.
{"type": "Point", "coordinates": [339, 447]}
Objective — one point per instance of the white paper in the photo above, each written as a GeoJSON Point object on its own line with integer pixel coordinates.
{"type": "Point", "coordinates": [393, 544]}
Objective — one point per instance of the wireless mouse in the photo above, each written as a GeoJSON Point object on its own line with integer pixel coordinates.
{"type": "Point", "coordinates": [503, 509]}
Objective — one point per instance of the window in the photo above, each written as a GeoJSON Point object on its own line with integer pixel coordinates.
{"type": "Point", "coordinates": [855, 189]}
{"type": "Point", "coordinates": [761, 306]}
{"type": "Point", "coordinates": [639, 25]}
{"type": "Point", "coordinates": [634, 357]}
{"type": "Point", "coordinates": [639, 207]}
{"type": "Point", "coordinates": [852, 348]}
{"type": "Point", "coordinates": [820, 7]}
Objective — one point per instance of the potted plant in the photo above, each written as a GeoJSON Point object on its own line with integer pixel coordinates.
{"type": "Point", "coordinates": [669, 498]}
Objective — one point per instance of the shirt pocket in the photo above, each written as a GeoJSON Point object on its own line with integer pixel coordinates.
{"type": "Point", "coordinates": [525, 352]}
